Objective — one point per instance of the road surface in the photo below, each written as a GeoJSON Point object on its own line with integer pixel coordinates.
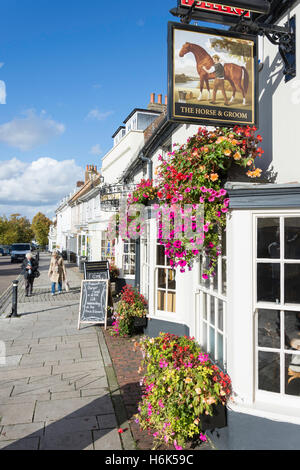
{"type": "Point", "coordinates": [8, 272]}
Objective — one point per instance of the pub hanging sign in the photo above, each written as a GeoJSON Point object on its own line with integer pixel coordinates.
{"type": "Point", "coordinates": [212, 76]}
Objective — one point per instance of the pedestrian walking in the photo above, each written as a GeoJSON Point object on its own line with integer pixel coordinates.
{"type": "Point", "coordinates": [29, 269]}
{"type": "Point", "coordinates": [57, 272]}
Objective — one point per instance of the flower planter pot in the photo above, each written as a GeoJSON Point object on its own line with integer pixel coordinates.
{"type": "Point", "coordinates": [139, 322]}
{"type": "Point", "coordinates": [217, 420]}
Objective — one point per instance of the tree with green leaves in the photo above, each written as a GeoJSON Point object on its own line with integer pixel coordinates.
{"type": "Point", "coordinates": [40, 227]}
{"type": "Point", "coordinates": [15, 229]}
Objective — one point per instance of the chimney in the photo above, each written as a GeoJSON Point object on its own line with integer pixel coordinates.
{"type": "Point", "coordinates": [166, 100]}
{"type": "Point", "coordinates": [159, 106]}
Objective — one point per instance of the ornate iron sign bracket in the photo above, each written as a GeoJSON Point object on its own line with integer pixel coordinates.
{"type": "Point", "coordinates": [284, 37]}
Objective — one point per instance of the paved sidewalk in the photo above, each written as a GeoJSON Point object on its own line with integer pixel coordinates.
{"type": "Point", "coordinates": [57, 384]}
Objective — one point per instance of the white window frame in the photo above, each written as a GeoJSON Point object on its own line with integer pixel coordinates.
{"type": "Point", "coordinates": [128, 276]}
{"type": "Point", "coordinates": [263, 395]}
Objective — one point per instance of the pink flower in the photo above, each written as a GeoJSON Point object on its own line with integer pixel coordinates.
{"type": "Point", "coordinates": [205, 228]}
{"type": "Point", "coordinates": [204, 276]}
{"type": "Point", "coordinates": [187, 190]}
{"type": "Point", "coordinates": [177, 447]}
{"type": "Point", "coordinates": [202, 437]}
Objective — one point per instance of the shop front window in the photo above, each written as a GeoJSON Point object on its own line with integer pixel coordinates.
{"type": "Point", "coordinates": [278, 305]}
{"type": "Point", "coordinates": [212, 308]}
{"type": "Point", "coordinates": [145, 252]}
{"type": "Point", "coordinates": [107, 248]}
{"type": "Point", "coordinates": [165, 282]}
{"type": "Point", "coordinates": [129, 257]}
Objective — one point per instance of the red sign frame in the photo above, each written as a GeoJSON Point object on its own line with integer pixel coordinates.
{"type": "Point", "coordinates": [216, 8]}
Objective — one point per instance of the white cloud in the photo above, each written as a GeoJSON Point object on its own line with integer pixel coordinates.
{"type": "Point", "coordinates": [2, 92]}
{"type": "Point", "coordinates": [37, 186]}
{"type": "Point", "coordinates": [95, 114]}
{"type": "Point", "coordinates": [96, 150]}
{"type": "Point", "coordinates": [30, 131]}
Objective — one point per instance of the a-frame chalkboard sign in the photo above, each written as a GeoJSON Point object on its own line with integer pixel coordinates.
{"type": "Point", "coordinates": [93, 301]}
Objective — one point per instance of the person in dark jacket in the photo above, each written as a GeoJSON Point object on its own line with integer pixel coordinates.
{"type": "Point", "coordinates": [218, 70]}
{"type": "Point", "coordinates": [29, 267]}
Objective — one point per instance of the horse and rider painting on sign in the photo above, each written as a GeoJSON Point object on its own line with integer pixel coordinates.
{"type": "Point", "coordinates": [212, 76]}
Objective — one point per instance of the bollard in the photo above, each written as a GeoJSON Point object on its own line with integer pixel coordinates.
{"type": "Point", "coordinates": [14, 308]}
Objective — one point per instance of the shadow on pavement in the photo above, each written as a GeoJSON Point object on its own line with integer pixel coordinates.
{"type": "Point", "coordinates": [81, 428]}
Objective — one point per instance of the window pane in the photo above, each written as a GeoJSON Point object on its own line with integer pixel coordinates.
{"type": "Point", "coordinates": [269, 328]}
{"type": "Point", "coordinates": [204, 342]}
{"type": "Point", "coordinates": [171, 299]}
{"type": "Point", "coordinates": [160, 256]}
{"type": "Point", "coordinates": [292, 374]}
{"type": "Point", "coordinates": [212, 342]}
{"type": "Point", "coordinates": [292, 330]}
{"type": "Point", "coordinates": [162, 278]}
{"type": "Point", "coordinates": [161, 300]}
{"type": "Point", "coordinates": [224, 276]}
{"type": "Point", "coordinates": [220, 349]}
{"type": "Point", "coordinates": [269, 371]}
{"type": "Point", "coordinates": [292, 238]}
{"type": "Point", "coordinates": [205, 306]}
{"type": "Point", "coordinates": [268, 233]}
{"type": "Point", "coordinates": [171, 279]}
{"type": "Point", "coordinates": [268, 282]}
{"type": "Point", "coordinates": [215, 279]}
{"type": "Point", "coordinates": [220, 315]}
{"type": "Point", "coordinates": [292, 283]}
{"type": "Point", "coordinates": [204, 262]}
{"type": "Point", "coordinates": [212, 310]}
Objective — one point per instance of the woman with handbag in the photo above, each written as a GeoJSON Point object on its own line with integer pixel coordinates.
{"type": "Point", "coordinates": [29, 269]}
{"type": "Point", "coordinates": [57, 271]}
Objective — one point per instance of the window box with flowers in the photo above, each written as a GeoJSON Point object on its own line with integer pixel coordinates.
{"type": "Point", "coordinates": [184, 393]}
{"type": "Point", "coordinates": [130, 312]}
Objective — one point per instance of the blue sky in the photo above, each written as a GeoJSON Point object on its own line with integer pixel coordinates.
{"type": "Point", "coordinates": [73, 70]}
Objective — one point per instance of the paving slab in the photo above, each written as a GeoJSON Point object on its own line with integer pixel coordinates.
{"type": "Point", "coordinates": [17, 413]}
{"type": "Point", "coordinates": [21, 431]}
{"type": "Point", "coordinates": [107, 439]}
{"type": "Point", "coordinates": [73, 408]}
{"type": "Point", "coordinates": [21, 444]}
{"type": "Point", "coordinates": [81, 440]}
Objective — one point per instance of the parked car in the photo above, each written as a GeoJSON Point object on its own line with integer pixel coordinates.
{"type": "Point", "coordinates": [18, 251]}
{"type": "Point", "coordinates": [5, 250]}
